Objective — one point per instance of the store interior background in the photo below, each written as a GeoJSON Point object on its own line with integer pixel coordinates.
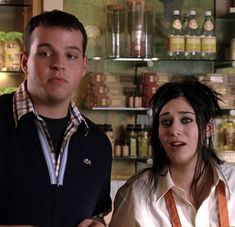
{"type": "Point", "coordinates": [93, 13]}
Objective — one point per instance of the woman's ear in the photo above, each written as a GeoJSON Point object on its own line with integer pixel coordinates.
{"type": "Point", "coordinates": [210, 128]}
{"type": "Point", "coordinates": [23, 62]}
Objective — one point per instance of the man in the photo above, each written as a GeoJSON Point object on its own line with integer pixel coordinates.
{"type": "Point", "coordinates": [55, 164]}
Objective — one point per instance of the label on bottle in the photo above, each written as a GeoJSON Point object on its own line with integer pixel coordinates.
{"type": "Point", "coordinates": [193, 43]}
{"type": "Point", "coordinates": [208, 44]}
{"type": "Point", "coordinates": [177, 24]}
{"type": "Point", "coordinates": [1, 56]}
{"type": "Point", "coordinates": [232, 49]}
{"type": "Point", "coordinates": [176, 43]}
{"type": "Point", "coordinates": [12, 55]}
{"type": "Point", "coordinates": [193, 24]}
{"type": "Point", "coordinates": [208, 25]}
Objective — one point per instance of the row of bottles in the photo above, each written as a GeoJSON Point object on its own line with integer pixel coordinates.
{"type": "Point", "coordinates": [188, 41]}
{"type": "Point", "coordinates": [10, 49]}
{"type": "Point", "coordinates": [135, 144]}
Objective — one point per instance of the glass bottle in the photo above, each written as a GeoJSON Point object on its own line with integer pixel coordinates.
{"type": "Point", "coordinates": [138, 132]}
{"type": "Point", "coordinates": [185, 23]}
{"type": "Point", "coordinates": [144, 143]}
{"type": "Point", "coordinates": [115, 35]}
{"type": "Point", "coordinates": [208, 38]}
{"type": "Point", "coordinates": [132, 140]}
{"type": "Point", "coordinates": [108, 129]}
{"type": "Point", "coordinates": [13, 50]}
{"type": "Point", "coordinates": [2, 49]}
{"type": "Point", "coordinates": [228, 129]}
{"type": "Point", "coordinates": [192, 37]}
{"type": "Point", "coordinates": [176, 37]}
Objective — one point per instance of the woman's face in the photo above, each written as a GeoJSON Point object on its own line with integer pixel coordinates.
{"type": "Point", "coordinates": [178, 131]}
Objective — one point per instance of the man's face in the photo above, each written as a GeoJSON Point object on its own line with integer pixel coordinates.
{"type": "Point", "coordinates": [55, 65]}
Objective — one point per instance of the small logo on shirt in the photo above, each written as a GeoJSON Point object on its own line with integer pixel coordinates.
{"type": "Point", "coordinates": [87, 161]}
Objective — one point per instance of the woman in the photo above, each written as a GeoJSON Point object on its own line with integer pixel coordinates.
{"type": "Point", "coordinates": [188, 185]}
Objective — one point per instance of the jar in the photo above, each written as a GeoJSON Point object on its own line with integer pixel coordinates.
{"type": "Point", "coordinates": [115, 33]}
{"type": "Point", "coordinates": [140, 27]}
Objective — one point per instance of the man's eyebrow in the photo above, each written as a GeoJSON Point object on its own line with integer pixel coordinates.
{"type": "Point", "coordinates": [73, 48]}
{"type": "Point", "coordinates": [67, 48]}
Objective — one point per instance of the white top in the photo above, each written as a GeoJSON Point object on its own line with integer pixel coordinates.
{"type": "Point", "coordinates": [134, 207]}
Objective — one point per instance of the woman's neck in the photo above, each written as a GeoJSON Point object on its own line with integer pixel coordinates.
{"type": "Point", "coordinates": [183, 176]}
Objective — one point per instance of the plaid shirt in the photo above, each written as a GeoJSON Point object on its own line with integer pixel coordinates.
{"type": "Point", "coordinates": [22, 104]}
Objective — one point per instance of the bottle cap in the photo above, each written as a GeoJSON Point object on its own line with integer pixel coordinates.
{"type": "Point", "coordinates": [176, 12]}
{"type": "Point", "coordinates": [208, 13]}
{"type": "Point", "coordinates": [192, 12]}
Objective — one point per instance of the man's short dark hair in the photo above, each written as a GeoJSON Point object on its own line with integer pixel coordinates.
{"type": "Point", "coordinates": [54, 18]}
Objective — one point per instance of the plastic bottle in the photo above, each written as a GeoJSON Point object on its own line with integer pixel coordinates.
{"type": "Point", "coordinates": [193, 38]}
{"type": "Point", "coordinates": [176, 37]}
{"type": "Point", "coordinates": [13, 50]}
{"type": "Point", "coordinates": [208, 38]}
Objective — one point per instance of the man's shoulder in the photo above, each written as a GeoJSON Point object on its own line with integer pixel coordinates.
{"type": "Point", "coordinates": [6, 101]}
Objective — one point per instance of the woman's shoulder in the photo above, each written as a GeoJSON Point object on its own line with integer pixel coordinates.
{"type": "Point", "coordinates": [137, 183]}
{"type": "Point", "coordinates": [228, 173]}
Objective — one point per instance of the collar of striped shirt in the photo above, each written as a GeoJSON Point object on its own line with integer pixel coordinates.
{"type": "Point", "coordinates": [22, 104]}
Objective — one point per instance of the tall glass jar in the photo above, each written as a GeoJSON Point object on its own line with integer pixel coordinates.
{"type": "Point", "coordinates": [136, 28]}
{"type": "Point", "coordinates": [116, 30]}
{"type": "Point", "coordinates": [140, 27]}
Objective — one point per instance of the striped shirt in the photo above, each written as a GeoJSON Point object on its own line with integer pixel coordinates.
{"type": "Point", "coordinates": [22, 105]}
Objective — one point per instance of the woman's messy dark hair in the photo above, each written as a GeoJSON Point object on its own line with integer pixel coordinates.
{"type": "Point", "coordinates": [204, 102]}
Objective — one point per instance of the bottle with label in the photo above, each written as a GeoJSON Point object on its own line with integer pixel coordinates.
{"type": "Point", "coordinates": [176, 37]}
{"type": "Point", "coordinates": [13, 50]}
{"type": "Point", "coordinates": [143, 152]}
{"type": "Point", "coordinates": [193, 38]}
{"type": "Point", "coordinates": [138, 133]}
{"type": "Point", "coordinates": [228, 129]}
{"type": "Point", "coordinates": [208, 38]}
{"type": "Point", "coordinates": [108, 129]}
{"type": "Point", "coordinates": [132, 140]}
{"type": "Point", "coordinates": [2, 49]}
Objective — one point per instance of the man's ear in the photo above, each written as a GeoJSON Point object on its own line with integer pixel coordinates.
{"type": "Point", "coordinates": [23, 62]}
{"type": "Point", "coordinates": [210, 129]}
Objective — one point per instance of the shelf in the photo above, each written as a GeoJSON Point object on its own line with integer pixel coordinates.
{"type": "Point", "coordinates": [228, 156]}
{"type": "Point", "coordinates": [121, 108]}
{"type": "Point", "coordinates": [230, 15]}
{"type": "Point", "coordinates": [144, 159]}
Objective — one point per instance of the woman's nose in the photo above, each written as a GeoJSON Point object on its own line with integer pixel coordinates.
{"type": "Point", "coordinates": [175, 129]}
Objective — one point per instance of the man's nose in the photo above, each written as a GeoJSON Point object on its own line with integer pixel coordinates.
{"type": "Point", "coordinates": [58, 63]}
